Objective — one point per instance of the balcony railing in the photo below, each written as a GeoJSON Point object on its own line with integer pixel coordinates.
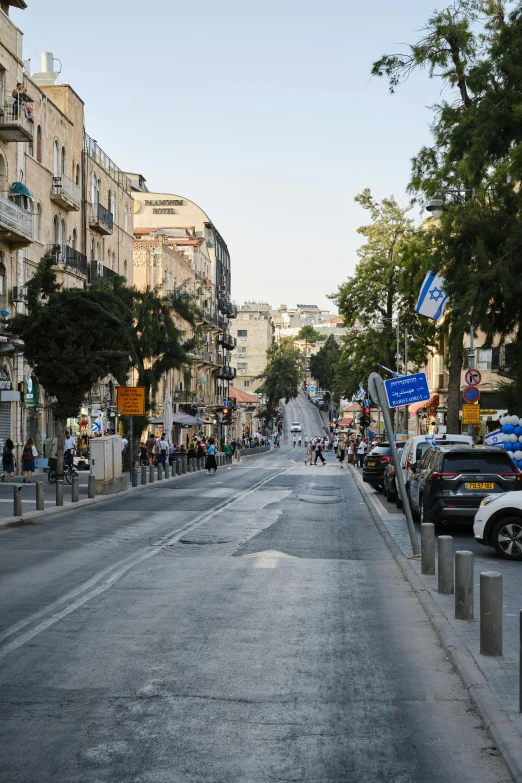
{"type": "Point", "coordinates": [98, 271]}
{"type": "Point", "coordinates": [91, 148]}
{"type": "Point", "coordinates": [15, 223]}
{"type": "Point", "coordinates": [15, 124]}
{"type": "Point", "coordinates": [227, 341]}
{"type": "Point", "coordinates": [70, 258]}
{"type": "Point", "coordinates": [66, 192]}
{"type": "Point", "coordinates": [101, 219]}
{"type": "Point", "coordinates": [227, 373]}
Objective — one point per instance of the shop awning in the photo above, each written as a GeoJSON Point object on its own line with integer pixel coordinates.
{"type": "Point", "coordinates": [190, 421]}
{"type": "Point", "coordinates": [19, 189]}
{"type": "Point", "coordinates": [345, 422]}
{"type": "Point", "coordinates": [417, 406]}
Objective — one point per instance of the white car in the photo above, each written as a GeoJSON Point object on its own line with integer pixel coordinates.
{"type": "Point", "coordinates": [296, 427]}
{"type": "Point", "coordinates": [498, 524]}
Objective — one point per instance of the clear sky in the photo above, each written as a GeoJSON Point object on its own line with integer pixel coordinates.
{"type": "Point", "coordinates": [263, 113]}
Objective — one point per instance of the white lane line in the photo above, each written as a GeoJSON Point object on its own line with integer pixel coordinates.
{"type": "Point", "coordinates": [118, 570]}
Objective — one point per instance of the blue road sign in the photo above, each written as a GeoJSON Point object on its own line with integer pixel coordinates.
{"type": "Point", "coordinates": [407, 390]}
{"type": "Point", "coordinates": [471, 394]}
{"type": "Point", "coordinates": [367, 403]}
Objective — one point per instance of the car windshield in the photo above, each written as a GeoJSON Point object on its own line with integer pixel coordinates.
{"type": "Point", "coordinates": [478, 463]}
{"type": "Point", "coordinates": [380, 451]}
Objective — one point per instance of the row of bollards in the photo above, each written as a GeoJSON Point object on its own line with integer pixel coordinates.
{"type": "Point", "coordinates": [455, 575]}
{"type": "Point", "coordinates": [40, 495]}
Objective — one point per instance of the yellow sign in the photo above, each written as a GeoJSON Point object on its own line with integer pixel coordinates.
{"type": "Point", "coordinates": [131, 400]}
{"type": "Point", "coordinates": [471, 414]}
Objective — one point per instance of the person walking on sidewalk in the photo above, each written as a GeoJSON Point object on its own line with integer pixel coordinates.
{"type": "Point", "coordinates": [29, 460]}
{"type": "Point", "coordinates": [309, 453]}
{"type": "Point", "coordinates": [211, 463]}
{"type": "Point", "coordinates": [300, 440]}
{"type": "Point", "coordinates": [319, 453]}
{"type": "Point", "coordinates": [8, 460]}
{"type": "Point", "coordinates": [163, 448]}
{"type": "Point", "coordinates": [362, 448]}
{"type": "Point", "coordinates": [341, 453]}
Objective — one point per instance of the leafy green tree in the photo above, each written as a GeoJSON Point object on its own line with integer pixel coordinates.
{"type": "Point", "coordinates": [324, 364]}
{"type": "Point", "coordinates": [282, 376]}
{"type": "Point", "coordinates": [73, 338]}
{"type": "Point", "coordinates": [383, 288]}
{"type": "Point", "coordinates": [308, 333]}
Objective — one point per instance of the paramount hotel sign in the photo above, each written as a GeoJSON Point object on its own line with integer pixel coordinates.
{"type": "Point", "coordinates": [163, 206]}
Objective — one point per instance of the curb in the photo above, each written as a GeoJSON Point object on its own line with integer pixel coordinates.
{"type": "Point", "coordinates": [496, 720]}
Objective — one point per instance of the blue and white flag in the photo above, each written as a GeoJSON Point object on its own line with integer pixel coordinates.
{"type": "Point", "coordinates": [97, 426]}
{"type": "Point", "coordinates": [494, 438]}
{"type": "Point", "coordinates": [432, 439]}
{"type": "Point", "coordinates": [361, 394]}
{"type": "Point", "coordinates": [392, 372]}
{"type": "Point", "coordinates": [432, 298]}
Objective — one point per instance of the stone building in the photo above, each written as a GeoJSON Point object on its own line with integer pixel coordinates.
{"type": "Point", "coordinates": [254, 332]}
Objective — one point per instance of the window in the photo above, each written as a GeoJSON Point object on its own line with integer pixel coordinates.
{"type": "Point", "coordinates": [109, 200]}
{"type": "Point", "coordinates": [242, 365]}
{"type": "Point", "coordinates": [92, 248]}
{"type": "Point", "coordinates": [125, 267]}
{"type": "Point", "coordinates": [77, 174]}
{"type": "Point", "coordinates": [484, 358]}
{"type": "Point", "coordinates": [62, 232]}
{"type": "Point", "coordinates": [112, 207]}
{"type": "Point", "coordinates": [242, 332]}
{"type": "Point", "coordinates": [39, 143]}
{"type": "Point", "coordinates": [94, 190]}
{"type": "Point", "coordinates": [241, 350]}
{"type": "Point", "coordinates": [37, 221]}
{"type": "Point", "coordinates": [55, 230]}
{"type": "Point", "coordinates": [62, 170]}
{"type": "Point", "coordinates": [97, 256]}
{"type": "Point", "coordinates": [125, 218]}
{"type": "Point", "coordinates": [56, 157]}
{"type": "Point", "coordinates": [2, 280]}
{"type": "Point", "coordinates": [246, 384]}
{"type": "Point", "coordinates": [74, 238]}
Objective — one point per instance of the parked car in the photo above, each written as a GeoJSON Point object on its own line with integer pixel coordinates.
{"type": "Point", "coordinates": [449, 483]}
{"type": "Point", "coordinates": [376, 462]}
{"type": "Point", "coordinates": [295, 427]}
{"type": "Point", "coordinates": [498, 524]}
{"type": "Point", "coordinates": [389, 486]}
{"type": "Point", "coordinates": [417, 446]}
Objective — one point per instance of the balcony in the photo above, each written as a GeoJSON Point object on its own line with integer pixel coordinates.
{"type": "Point", "coordinates": [16, 224]}
{"type": "Point", "coordinates": [227, 341]}
{"type": "Point", "coordinates": [98, 271]}
{"type": "Point", "coordinates": [66, 193]}
{"type": "Point", "coordinates": [101, 219]}
{"type": "Point", "coordinates": [70, 258]}
{"type": "Point", "coordinates": [227, 373]}
{"type": "Point", "coordinates": [15, 124]}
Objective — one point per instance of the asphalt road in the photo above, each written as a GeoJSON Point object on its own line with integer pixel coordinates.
{"type": "Point", "coordinates": [244, 627]}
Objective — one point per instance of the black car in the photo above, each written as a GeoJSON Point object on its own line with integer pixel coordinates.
{"type": "Point", "coordinates": [389, 485]}
{"type": "Point", "coordinates": [449, 484]}
{"type": "Point", "coordinates": [376, 462]}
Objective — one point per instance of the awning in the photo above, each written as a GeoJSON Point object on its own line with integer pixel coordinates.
{"type": "Point", "coordinates": [19, 189]}
{"type": "Point", "coordinates": [190, 421]}
{"type": "Point", "coordinates": [417, 406]}
{"type": "Point", "coordinates": [345, 422]}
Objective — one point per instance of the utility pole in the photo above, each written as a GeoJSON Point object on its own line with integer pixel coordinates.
{"type": "Point", "coordinates": [406, 411]}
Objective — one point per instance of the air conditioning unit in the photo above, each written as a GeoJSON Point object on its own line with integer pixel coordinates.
{"type": "Point", "coordinates": [17, 294]}
{"type": "Point", "coordinates": [241, 372]}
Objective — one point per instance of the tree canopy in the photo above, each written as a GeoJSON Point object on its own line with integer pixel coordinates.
{"type": "Point", "coordinates": [282, 376]}
{"type": "Point", "coordinates": [309, 333]}
{"type": "Point", "coordinates": [323, 364]}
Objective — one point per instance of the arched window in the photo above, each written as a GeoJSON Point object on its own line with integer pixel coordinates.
{"type": "Point", "coordinates": [125, 218]}
{"type": "Point", "coordinates": [98, 190]}
{"type": "Point", "coordinates": [3, 175]}
{"type": "Point", "coordinates": [109, 200]}
{"type": "Point", "coordinates": [37, 221]}
{"type": "Point", "coordinates": [112, 207]}
{"type": "Point", "coordinates": [55, 230]}
{"type": "Point", "coordinates": [2, 280]}
{"type": "Point", "coordinates": [77, 174]}
{"type": "Point", "coordinates": [39, 143]}
{"type": "Point", "coordinates": [97, 251]}
{"type": "Point", "coordinates": [62, 233]}
{"type": "Point", "coordinates": [109, 259]}
{"type": "Point", "coordinates": [94, 190]}
{"type": "Point", "coordinates": [74, 238]}
{"type": "Point", "coordinates": [56, 158]}
{"type": "Point", "coordinates": [125, 267]}
{"type": "Point", "coordinates": [92, 248]}
{"type": "Point", "coordinates": [62, 167]}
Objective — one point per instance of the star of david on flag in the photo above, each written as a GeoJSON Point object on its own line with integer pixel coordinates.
{"type": "Point", "coordinates": [432, 298]}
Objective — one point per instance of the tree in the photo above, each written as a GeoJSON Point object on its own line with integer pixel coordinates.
{"type": "Point", "coordinates": [382, 289]}
{"type": "Point", "coordinates": [282, 376]}
{"type": "Point", "coordinates": [309, 334]}
{"type": "Point", "coordinates": [73, 338]}
{"type": "Point", "coordinates": [458, 48]}
{"type": "Point", "coordinates": [324, 364]}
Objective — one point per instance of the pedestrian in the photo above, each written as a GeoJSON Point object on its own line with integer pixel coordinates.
{"type": "Point", "coordinates": [294, 439]}
{"type": "Point", "coordinates": [351, 453]}
{"type": "Point", "coordinates": [29, 460]}
{"type": "Point", "coordinates": [341, 452]}
{"type": "Point", "coordinates": [362, 448]}
{"type": "Point", "coordinates": [8, 460]}
{"type": "Point", "coordinates": [309, 453]}
{"type": "Point", "coordinates": [319, 453]}
{"type": "Point", "coordinates": [300, 441]}
{"type": "Point", "coordinates": [211, 463]}
{"type": "Point", "coordinates": [69, 447]}
{"type": "Point", "coordinates": [163, 448]}
{"type": "Point", "coordinates": [143, 453]}
{"type": "Point", "coordinates": [151, 448]}
{"type": "Point", "coordinates": [124, 447]}
{"type": "Point", "coordinates": [306, 440]}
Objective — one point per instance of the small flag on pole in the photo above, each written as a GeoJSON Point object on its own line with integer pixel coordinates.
{"type": "Point", "coordinates": [432, 298]}
{"type": "Point", "coordinates": [392, 372]}
{"type": "Point", "coordinates": [97, 426]}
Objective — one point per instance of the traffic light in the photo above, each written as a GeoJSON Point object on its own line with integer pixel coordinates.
{"type": "Point", "coordinates": [227, 415]}
{"type": "Point", "coordinates": [365, 418]}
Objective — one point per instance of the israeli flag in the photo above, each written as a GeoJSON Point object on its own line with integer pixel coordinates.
{"type": "Point", "coordinates": [392, 372]}
{"type": "Point", "coordinates": [432, 439]}
{"type": "Point", "coordinates": [432, 298]}
{"type": "Point", "coordinates": [494, 438]}
{"type": "Point", "coordinates": [97, 426]}
{"type": "Point", "coordinates": [361, 394]}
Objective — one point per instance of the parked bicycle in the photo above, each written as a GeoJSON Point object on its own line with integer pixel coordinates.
{"type": "Point", "coordinates": [69, 471]}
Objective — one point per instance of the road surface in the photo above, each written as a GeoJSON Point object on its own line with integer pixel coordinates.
{"type": "Point", "coordinates": [245, 627]}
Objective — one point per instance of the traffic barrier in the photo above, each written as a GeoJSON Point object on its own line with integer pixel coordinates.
{"type": "Point", "coordinates": [179, 465]}
{"type": "Point", "coordinates": [151, 474]}
{"type": "Point", "coordinates": [464, 585]}
{"type": "Point", "coordinates": [135, 477]}
{"type": "Point", "coordinates": [143, 475]}
{"type": "Point", "coordinates": [59, 493]}
{"type": "Point", "coordinates": [428, 549]}
{"type": "Point", "coordinates": [75, 496]}
{"type": "Point", "coordinates": [17, 498]}
{"type": "Point", "coordinates": [490, 613]}
{"type": "Point", "coordinates": [183, 463]}
{"type": "Point", "coordinates": [91, 487]}
{"type": "Point", "coordinates": [445, 565]}
{"type": "Point", "coordinates": [40, 497]}
{"type": "Point", "coordinates": [167, 469]}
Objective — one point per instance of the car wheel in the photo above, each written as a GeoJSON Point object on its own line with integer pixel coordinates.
{"type": "Point", "coordinates": [507, 538]}
{"type": "Point", "coordinates": [392, 496]}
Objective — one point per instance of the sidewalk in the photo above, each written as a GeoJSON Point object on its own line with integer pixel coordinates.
{"type": "Point", "coordinates": [501, 673]}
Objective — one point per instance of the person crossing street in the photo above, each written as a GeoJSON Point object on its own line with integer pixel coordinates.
{"type": "Point", "coordinates": [319, 453]}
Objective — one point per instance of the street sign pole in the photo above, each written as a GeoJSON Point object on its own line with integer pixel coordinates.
{"type": "Point", "coordinates": [378, 392]}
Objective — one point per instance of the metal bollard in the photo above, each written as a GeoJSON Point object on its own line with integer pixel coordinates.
{"type": "Point", "coordinates": [91, 489]}
{"type": "Point", "coordinates": [17, 505]}
{"type": "Point", "coordinates": [160, 471]}
{"type": "Point", "coordinates": [59, 493]}
{"type": "Point", "coordinates": [135, 477]}
{"type": "Point", "coordinates": [183, 463]}
{"type": "Point", "coordinates": [179, 465]}
{"type": "Point", "coordinates": [40, 497]}
{"type": "Point", "coordinates": [464, 585]}
{"type": "Point", "coordinates": [189, 465]}
{"type": "Point", "coordinates": [75, 497]}
{"type": "Point", "coordinates": [167, 469]}
{"type": "Point", "coordinates": [143, 475]}
{"type": "Point", "coordinates": [151, 474]}
{"type": "Point", "coordinates": [428, 549]}
{"type": "Point", "coordinates": [446, 579]}
{"type": "Point", "coordinates": [490, 613]}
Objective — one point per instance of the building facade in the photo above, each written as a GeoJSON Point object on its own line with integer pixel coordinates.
{"type": "Point", "coordinates": [254, 332]}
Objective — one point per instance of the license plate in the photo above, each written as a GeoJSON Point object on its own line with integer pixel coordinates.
{"type": "Point", "coordinates": [371, 464]}
{"type": "Point", "coordinates": [480, 485]}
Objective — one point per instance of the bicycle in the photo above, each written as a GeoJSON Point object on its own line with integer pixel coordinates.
{"type": "Point", "coordinates": [69, 471]}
